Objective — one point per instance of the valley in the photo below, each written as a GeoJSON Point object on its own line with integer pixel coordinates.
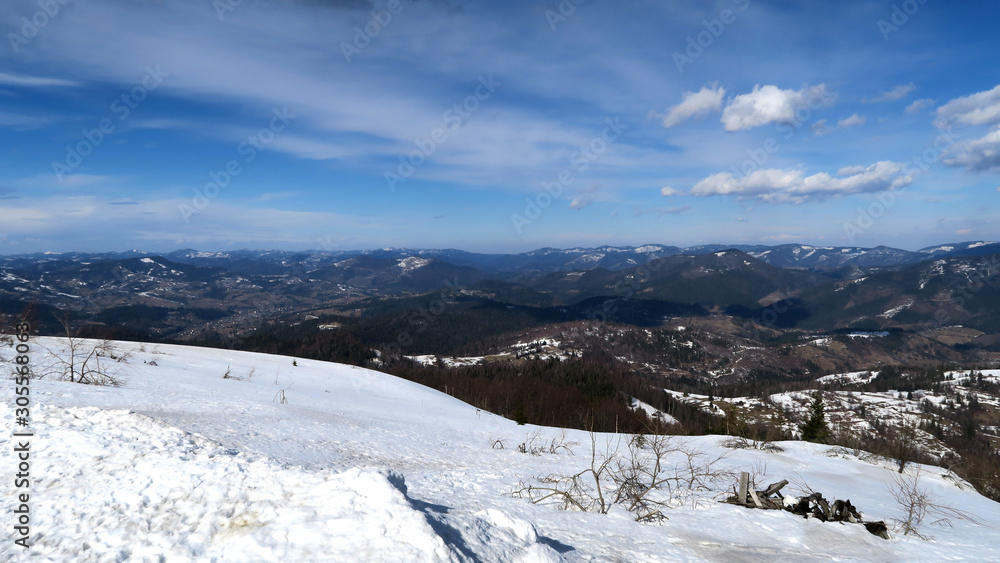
{"type": "Point", "coordinates": [721, 341]}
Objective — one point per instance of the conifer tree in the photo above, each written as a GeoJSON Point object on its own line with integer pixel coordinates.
{"type": "Point", "coordinates": [815, 428]}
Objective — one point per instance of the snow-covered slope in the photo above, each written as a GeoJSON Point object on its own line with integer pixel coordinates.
{"type": "Point", "coordinates": [325, 462]}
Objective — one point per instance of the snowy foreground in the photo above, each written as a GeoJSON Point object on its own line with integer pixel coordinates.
{"type": "Point", "coordinates": [356, 465]}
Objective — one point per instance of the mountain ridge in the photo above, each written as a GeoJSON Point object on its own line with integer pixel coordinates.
{"type": "Point", "coordinates": [609, 257]}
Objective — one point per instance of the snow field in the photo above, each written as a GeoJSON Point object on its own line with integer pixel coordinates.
{"type": "Point", "coordinates": [130, 487]}
{"type": "Point", "coordinates": [361, 466]}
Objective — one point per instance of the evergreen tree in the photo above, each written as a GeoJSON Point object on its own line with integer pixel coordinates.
{"type": "Point", "coordinates": [815, 429]}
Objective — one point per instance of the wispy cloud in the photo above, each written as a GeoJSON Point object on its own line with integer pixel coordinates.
{"type": "Point", "coordinates": [852, 121]}
{"type": "Point", "coordinates": [24, 122]}
{"type": "Point", "coordinates": [270, 196]}
{"type": "Point", "coordinates": [919, 105]}
{"type": "Point", "coordinates": [672, 210]}
{"type": "Point", "coordinates": [71, 181]}
{"type": "Point", "coordinates": [72, 220]}
{"type": "Point", "coordinates": [7, 79]}
{"type": "Point", "coordinates": [584, 197]}
{"type": "Point", "coordinates": [695, 105]}
{"type": "Point", "coordinates": [897, 93]}
{"type": "Point", "coordinates": [820, 127]}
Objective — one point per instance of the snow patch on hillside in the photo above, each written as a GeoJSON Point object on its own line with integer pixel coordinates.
{"type": "Point", "coordinates": [652, 411]}
{"type": "Point", "coordinates": [849, 377]}
{"type": "Point", "coordinates": [412, 263]}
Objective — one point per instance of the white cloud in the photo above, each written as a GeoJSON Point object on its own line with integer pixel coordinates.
{"type": "Point", "coordinates": [695, 104]}
{"type": "Point", "coordinates": [770, 104]}
{"type": "Point", "coordinates": [22, 122]}
{"type": "Point", "coordinates": [851, 121]}
{"type": "Point", "coordinates": [67, 222]}
{"type": "Point", "coordinates": [820, 128]}
{"type": "Point", "coordinates": [981, 108]}
{"type": "Point", "coordinates": [381, 114]}
{"type": "Point", "coordinates": [312, 149]}
{"type": "Point", "coordinates": [672, 210]}
{"type": "Point", "coordinates": [71, 181]}
{"type": "Point", "coordinates": [918, 105]}
{"type": "Point", "coordinates": [979, 155]}
{"type": "Point", "coordinates": [33, 81]}
{"type": "Point", "coordinates": [792, 186]}
{"type": "Point", "coordinates": [165, 123]}
{"type": "Point", "coordinates": [580, 202]}
{"type": "Point", "coordinates": [897, 93]}
{"type": "Point", "coordinates": [667, 191]}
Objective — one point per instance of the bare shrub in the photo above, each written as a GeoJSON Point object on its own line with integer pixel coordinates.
{"type": "Point", "coordinates": [84, 361]}
{"type": "Point", "coordinates": [743, 443]}
{"type": "Point", "coordinates": [584, 491]}
{"type": "Point", "coordinates": [651, 474]}
{"type": "Point", "coordinates": [533, 444]}
{"type": "Point", "coordinates": [917, 503]}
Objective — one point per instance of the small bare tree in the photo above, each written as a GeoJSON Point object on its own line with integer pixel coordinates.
{"type": "Point", "coordinates": [584, 491]}
{"type": "Point", "coordinates": [87, 362]}
{"type": "Point", "coordinates": [5, 338]}
{"type": "Point", "coordinates": [639, 477]}
{"type": "Point", "coordinates": [917, 503]}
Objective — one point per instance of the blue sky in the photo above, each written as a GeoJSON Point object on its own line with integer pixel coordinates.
{"type": "Point", "coordinates": [496, 126]}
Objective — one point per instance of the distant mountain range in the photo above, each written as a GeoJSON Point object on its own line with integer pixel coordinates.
{"type": "Point", "coordinates": [185, 291]}
{"type": "Point", "coordinates": [541, 261]}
